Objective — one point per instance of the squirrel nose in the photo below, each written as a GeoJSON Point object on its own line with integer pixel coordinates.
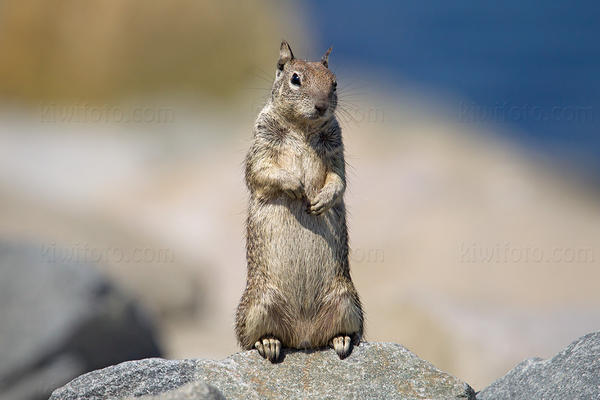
{"type": "Point", "coordinates": [321, 107]}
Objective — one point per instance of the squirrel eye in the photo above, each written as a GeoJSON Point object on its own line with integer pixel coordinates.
{"type": "Point", "coordinates": [295, 79]}
{"type": "Point", "coordinates": [334, 84]}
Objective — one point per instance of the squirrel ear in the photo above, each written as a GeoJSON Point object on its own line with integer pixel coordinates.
{"type": "Point", "coordinates": [285, 55]}
{"type": "Point", "coordinates": [325, 58]}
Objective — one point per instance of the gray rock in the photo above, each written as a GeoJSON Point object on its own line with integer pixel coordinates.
{"type": "Point", "coordinates": [372, 371]}
{"type": "Point", "coordinates": [197, 390]}
{"type": "Point", "coordinates": [130, 379]}
{"type": "Point", "coordinates": [574, 373]}
{"type": "Point", "coordinates": [59, 319]}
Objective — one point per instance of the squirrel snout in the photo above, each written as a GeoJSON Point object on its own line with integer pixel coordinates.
{"type": "Point", "coordinates": [321, 107]}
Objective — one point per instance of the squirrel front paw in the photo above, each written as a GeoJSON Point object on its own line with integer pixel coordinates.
{"type": "Point", "coordinates": [293, 187]}
{"type": "Point", "coordinates": [321, 203]}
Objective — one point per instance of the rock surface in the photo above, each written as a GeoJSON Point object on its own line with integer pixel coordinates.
{"type": "Point", "coordinates": [372, 371]}
{"type": "Point", "coordinates": [60, 319]}
{"type": "Point", "coordinates": [197, 390]}
{"type": "Point", "coordinates": [574, 373]}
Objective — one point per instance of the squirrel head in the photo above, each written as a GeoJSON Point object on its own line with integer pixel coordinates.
{"type": "Point", "coordinates": [303, 91]}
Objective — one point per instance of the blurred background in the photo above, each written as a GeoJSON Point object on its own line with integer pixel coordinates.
{"type": "Point", "coordinates": [472, 138]}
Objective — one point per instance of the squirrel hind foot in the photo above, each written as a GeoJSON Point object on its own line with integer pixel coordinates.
{"type": "Point", "coordinates": [269, 348]}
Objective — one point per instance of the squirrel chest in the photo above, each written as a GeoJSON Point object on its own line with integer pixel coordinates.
{"type": "Point", "coordinates": [307, 158]}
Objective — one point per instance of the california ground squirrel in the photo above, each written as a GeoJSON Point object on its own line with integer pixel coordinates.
{"type": "Point", "coordinates": [298, 292]}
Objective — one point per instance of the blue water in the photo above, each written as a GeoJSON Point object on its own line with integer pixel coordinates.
{"type": "Point", "coordinates": [532, 67]}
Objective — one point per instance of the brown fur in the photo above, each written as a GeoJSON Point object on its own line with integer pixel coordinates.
{"type": "Point", "coordinates": [298, 285]}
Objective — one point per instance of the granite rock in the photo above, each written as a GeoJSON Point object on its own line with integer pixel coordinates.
{"type": "Point", "coordinates": [574, 373]}
{"type": "Point", "coordinates": [372, 371]}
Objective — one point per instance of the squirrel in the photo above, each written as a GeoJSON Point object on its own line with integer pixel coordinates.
{"type": "Point", "coordinates": [299, 293]}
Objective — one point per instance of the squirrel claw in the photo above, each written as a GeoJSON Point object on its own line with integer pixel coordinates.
{"type": "Point", "coordinates": [342, 345]}
{"type": "Point", "coordinates": [269, 348]}
{"type": "Point", "coordinates": [317, 208]}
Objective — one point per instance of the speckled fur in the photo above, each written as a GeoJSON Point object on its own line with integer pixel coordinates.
{"type": "Point", "coordinates": [298, 287]}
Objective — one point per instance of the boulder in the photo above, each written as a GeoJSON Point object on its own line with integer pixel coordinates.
{"type": "Point", "coordinates": [133, 379]}
{"type": "Point", "coordinates": [60, 319]}
{"type": "Point", "coordinates": [197, 390]}
{"type": "Point", "coordinates": [372, 371]}
{"type": "Point", "coordinates": [574, 373]}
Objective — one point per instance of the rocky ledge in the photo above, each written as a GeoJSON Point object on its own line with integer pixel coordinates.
{"type": "Point", "coordinates": [372, 371]}
{"type": "Point", "coordinates": [574, 373]}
